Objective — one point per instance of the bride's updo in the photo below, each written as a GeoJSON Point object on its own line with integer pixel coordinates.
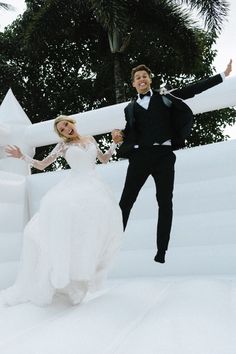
{"type": "Point", "coordinates": [60, 119]}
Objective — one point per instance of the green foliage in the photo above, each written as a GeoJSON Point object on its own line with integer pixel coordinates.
{"type": "Point", "coordinates": [209, 127]}
{"type": "Point", "coordinates": [60, 59]}
{"type": "Point", "coordinates": [116, 25]}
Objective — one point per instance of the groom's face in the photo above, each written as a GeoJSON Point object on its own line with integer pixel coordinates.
{"type": "Point", "coordinates": [142, 81]}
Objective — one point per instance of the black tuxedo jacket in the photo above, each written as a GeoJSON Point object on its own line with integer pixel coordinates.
{"type": "Point", "coordinates": [181, 115]}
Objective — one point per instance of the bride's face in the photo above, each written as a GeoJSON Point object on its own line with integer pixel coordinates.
{"type": "Point", "coordinates": [67, 129]}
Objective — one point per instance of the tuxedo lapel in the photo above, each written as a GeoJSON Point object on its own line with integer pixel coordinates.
{"type": "Point", "coordinates": [130, 113]}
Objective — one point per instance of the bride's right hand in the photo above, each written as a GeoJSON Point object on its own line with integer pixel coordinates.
{"type": "Point", "coordinates": [13, 151]}
{"type": "Point", "coordinates": [117, 136]}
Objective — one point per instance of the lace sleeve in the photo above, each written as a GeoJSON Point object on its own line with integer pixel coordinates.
{"type": "Point", "coordinates": [41, 165]}
{"type": "Point", "coordinates": [105, 157]}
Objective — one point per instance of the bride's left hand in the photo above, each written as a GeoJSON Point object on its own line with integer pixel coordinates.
{"type": "Point", "coordinates": [13, 151]}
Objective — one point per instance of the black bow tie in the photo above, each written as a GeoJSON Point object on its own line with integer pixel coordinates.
{"type": "Point", "coordinates": [141, 95]}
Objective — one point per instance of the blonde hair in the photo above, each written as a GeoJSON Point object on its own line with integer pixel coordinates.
{"type": "Point", "coordinates": [62, 118]}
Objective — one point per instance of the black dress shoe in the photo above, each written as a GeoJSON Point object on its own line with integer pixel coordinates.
{"type": "Point", "coordinates": [160, 257]}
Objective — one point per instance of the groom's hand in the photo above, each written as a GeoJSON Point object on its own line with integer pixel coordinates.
{"type": "Point", "coordinates": [228, 68]}
{"type": "Point", "coordinates": [117, 136]}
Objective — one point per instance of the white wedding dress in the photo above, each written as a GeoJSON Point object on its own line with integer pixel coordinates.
{"type": "Point", "coordinates": [69, 244]}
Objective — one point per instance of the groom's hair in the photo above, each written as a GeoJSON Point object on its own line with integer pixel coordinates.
{"type": "Point", "coordinates": [141, 67]}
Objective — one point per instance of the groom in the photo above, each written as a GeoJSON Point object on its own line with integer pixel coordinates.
{"type": "Point", "coordinates": [156, 123]}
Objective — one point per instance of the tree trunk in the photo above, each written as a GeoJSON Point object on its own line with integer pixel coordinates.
{"type": "Point", "coordinates": [118, 78]}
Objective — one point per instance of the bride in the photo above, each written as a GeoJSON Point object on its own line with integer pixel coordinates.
{"type": "Point", "coordinates": [70, 242]}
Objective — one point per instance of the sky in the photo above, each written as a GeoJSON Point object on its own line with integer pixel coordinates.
{"type": "Point", "coordinates": [225, 44]}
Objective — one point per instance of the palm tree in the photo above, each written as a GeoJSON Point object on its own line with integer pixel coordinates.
{"type": "Point", "coordinates": [123, 21]}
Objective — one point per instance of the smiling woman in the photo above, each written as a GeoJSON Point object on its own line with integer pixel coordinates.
{"type": "Point", "coordinates": [70, 242]}
{"type": "Point", "coordinates": [65, 128]}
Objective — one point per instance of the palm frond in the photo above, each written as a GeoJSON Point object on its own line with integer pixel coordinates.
{"type": "Point", "coordinates": [157, 23]}
{"type": "Point", "coordinates": [39, 23]}
{"type": "Point", "coordinates": [112, 15]}
{"type": "Point", "coordinates": [168, 21]}
{"type": "Point", "coordinates": [53, 18]}
{"type": "Point", "coordinates": [7, 7]}
{"type": "Point", "coordinates": [214, 12]}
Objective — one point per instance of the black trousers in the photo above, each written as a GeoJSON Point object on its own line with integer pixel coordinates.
{"type": "Point", "coordinates": [157, 161]}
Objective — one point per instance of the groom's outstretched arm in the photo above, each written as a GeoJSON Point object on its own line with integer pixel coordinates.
{"type": "Point", "coordinates": [202, 85]}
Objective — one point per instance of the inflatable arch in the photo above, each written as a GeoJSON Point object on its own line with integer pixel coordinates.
{"type": "Point", "coordinates": [205, 199]}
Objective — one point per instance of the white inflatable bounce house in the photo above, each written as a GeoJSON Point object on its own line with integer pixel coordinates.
{"type": "Point", "coordinates": [187, 305]}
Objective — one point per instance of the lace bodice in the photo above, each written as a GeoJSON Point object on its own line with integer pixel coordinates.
{"type": "Point", "coordinates": [78, 155]}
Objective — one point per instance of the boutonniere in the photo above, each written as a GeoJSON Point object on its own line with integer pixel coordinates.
{"type": "Point", "coordinates": [163, 91]}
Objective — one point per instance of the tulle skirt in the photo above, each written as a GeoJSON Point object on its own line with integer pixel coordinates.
{"type": "Point", "coordinates": [70, 243]}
